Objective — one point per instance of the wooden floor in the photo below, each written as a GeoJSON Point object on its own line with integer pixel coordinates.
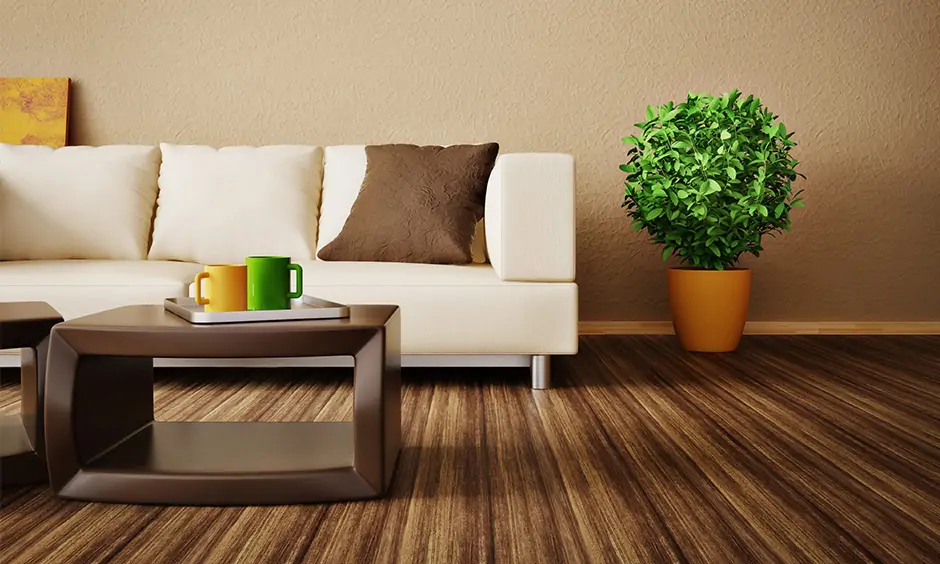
{"type": "Point", "coordinates": [793, 449]}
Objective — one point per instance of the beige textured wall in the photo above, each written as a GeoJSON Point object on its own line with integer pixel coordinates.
{"type": "Point", "coordinates": [856, 79]}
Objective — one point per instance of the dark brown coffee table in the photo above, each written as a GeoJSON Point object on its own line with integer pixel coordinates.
{"type": "Point", "coordinates": [26, 326]}
{"type": "Point", "coordinates": [104, 445]}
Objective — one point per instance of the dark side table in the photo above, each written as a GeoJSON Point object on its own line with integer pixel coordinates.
{"type": "Point", "coordinates": [26, 326]}
{"type": "Point", "coordinates": [104, 445]}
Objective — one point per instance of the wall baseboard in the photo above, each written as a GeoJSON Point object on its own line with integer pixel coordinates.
{"type": "Point", "coordinates": [772, 328]}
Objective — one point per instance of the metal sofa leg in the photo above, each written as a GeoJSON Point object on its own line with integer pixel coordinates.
{"type": "Point", "coordinates": [541, 371]}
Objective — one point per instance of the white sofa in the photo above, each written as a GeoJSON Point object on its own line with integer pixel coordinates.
{"type": "Point", "coordinates": [515, 306]}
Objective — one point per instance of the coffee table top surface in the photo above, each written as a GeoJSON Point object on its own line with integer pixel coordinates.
{"type": "Point", "coordinates": [15, 312]}
{"type": "Point", "coordinates": [150, 330]}
{"type": "Point", "coordinates": [24, 324]}
{"type": "Point", "coordinates": [144, 317]}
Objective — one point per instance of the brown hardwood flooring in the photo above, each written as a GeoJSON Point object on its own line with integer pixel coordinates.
{"type": "Point", "coordinates": [793, 449]}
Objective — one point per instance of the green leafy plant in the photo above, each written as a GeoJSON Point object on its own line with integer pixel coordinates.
{"type": "Point", "coordinates": [709, 177]}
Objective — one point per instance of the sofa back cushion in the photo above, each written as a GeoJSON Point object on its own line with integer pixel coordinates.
{"type": "Point", "coordinates": [344, 169]}
{"type": "Point", "coordinates": [76, 202]}
{"type": "Point", "coordinates": [222, 205]}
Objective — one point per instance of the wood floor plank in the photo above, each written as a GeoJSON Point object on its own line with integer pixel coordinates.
{"type": "Point", "coordinates": [788, 436]}
{"type": "Point", "coordinates": [9, 495]}
{"type": "Point", "coordinates": [902, 387]}
{"type": "Point", "coordinates": [41, 528]}
{"type": "Point", "coordinates": [360, 531]}
{"type": "Point", "coordinates": [243, 534]}
{"type": "Point", "coordinates": [705, 524]}
{"type": "Point", "coordinates": [899, 395]}
{"type": "Point", "coordinates": [868, 460]}
{"type": "Point", "coordinates": [784, 522]}
{"type": "Point", "coordinates": [885, 436]}
{"type": "Point", "coordinates": [189, 397]}
{"type": "Point", "coordinates": [260, 534]}
{"type": "Point", "coordinates": [863, 475]}
{"type": "Point", "coordinates": [918, 354]}
{"type": "Point", "coordinates": [440, 480]}
{"type": "Point", "coordinates": [32, 516]}
{"type": "Point", "coordinates": [447, 519]}
{"type": "Point", "coordinates": [875, 455]}
{"type": "Point", "coordinates": [614, 515]}
{"type": "Point", "coordinates": [181, 535]}
{"type": "Point", "coordinates": [533, 520]}
{"type": "Point", "coordinates": [10, 397]}
{"type": "Point", "coordinates": [307, 395]}
{"type": "Point", "coordinates": [793, 449]}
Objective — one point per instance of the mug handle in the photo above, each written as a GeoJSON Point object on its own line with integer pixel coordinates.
{"type": "Point", "coordinates": [299, 281]}
{"type": "Point", "coordinates": [199, 278]}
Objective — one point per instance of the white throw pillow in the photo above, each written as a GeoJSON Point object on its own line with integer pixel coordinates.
{"type": "Point", "coordinates": [222, 205]}
{"type": "Point", "coordinates": [76, 202]}
{"type": "Point", "coordinates": [344, 169]}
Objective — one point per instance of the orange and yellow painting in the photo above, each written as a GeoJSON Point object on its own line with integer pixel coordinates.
{"type": "Point", "coordinates": [34, 111]}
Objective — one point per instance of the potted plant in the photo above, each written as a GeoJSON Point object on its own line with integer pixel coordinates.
{"type": "Point", "coordinates": [707, 179]}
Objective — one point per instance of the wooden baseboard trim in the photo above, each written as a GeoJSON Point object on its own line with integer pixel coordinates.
{"type": "Point", "coordinates": [772, 328]}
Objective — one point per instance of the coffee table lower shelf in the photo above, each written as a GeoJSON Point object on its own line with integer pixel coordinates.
{"type": "Point", "coordinates": [226, 463]}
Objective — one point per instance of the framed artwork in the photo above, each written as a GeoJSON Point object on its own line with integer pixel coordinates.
{"type": "Point", "coordinates": [34, 111]}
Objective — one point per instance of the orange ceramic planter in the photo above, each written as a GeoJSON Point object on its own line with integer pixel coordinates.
{"type": "Point", "coordinates": [709, 307]}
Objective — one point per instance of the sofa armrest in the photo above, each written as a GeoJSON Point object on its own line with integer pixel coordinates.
{"type": "Point", "coordinates": [530, 217]}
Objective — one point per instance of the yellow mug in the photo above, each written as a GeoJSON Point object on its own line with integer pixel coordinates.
{"type": "Point", "coordinates": [227, 290]}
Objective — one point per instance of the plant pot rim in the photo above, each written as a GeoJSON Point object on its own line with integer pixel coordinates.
{"type": "Point", "coordinates": [700, 269]}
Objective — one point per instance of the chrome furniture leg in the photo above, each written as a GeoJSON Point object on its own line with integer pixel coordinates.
{"type": "Point", "coordinates": [541, 371]}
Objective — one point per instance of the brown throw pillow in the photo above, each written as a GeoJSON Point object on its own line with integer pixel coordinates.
{"type": "Point", "coordinates": [416, 204]}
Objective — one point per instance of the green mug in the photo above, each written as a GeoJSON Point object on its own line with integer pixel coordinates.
{"type": "Point", "coordinates": [269, 282]}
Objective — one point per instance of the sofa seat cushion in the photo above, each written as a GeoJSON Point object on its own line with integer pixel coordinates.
{"type": "Point", "coordinates": [449, 309]}
{"type": "Point", "coordinates": [81, 287]}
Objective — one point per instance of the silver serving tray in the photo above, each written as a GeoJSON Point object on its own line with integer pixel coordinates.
{"type": "Point", "coordinates": [305, 307]}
